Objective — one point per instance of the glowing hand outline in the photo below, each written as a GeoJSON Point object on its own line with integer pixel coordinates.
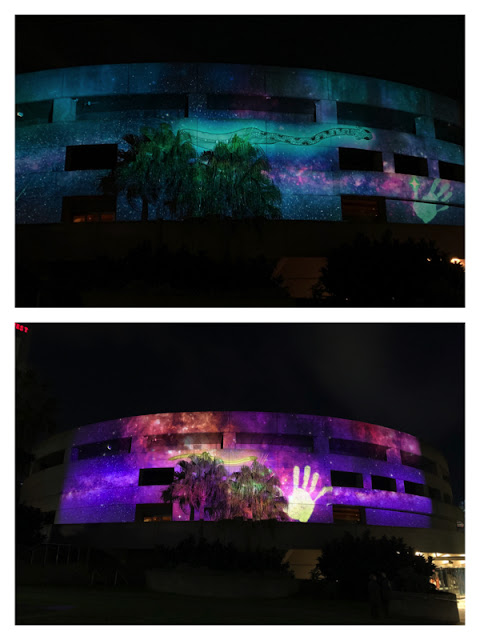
{"type": "Point", "coordinates": [440, 190]}
{"type": "Point", "coordinates": [300, 502]}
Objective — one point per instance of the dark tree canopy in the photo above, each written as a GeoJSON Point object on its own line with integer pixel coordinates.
{"type": "Point", "coordinates": [388, 272]}
{"type": "Point", "coordinates": [350, 561]}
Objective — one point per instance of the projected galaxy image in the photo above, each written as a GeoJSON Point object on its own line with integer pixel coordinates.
{"type": "Point", "coordinates": [299, 118]}
{"type": "Point", "coordinates": [312, 457]}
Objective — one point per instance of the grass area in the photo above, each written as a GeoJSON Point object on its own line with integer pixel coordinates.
{"type": "Point", "coordinates": [74, 605]}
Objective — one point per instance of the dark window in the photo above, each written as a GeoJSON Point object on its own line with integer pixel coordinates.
{"type": "Point", "coordinates": [305, 443]}
{"type": "Point", "coordinates": [50, 460]}
{"type": "Point", "coordinates": [418, 461]}
{"type": "Point", "coordinates": [451, 171]}
{"type": "Point", "coordinates": [156, 512]}
{"type": "Point", "coordinates": [112, 447]}
{"type": "Point", "coordinates": [89, 208]}
{"type": "Point", "coordinates": [346, 479]}
{"type": "Point", "coordinates": [410, 165]}
{"type": "Point", "coordinates": [193, 441]}
{"type": "Point", "coordinates": [360, 160]}
{"type": "Point", "coordinates": [161, 476]}
{"type": "Point", "coordinates": [261, 103]}
{"type": "Point", "coordinates": [447, 498]}
{"type": "Point", "coordinates": [383, 483]}
{"type": "Point", "coordinates": [357, 448]}
{"type": "Point", "coordinates": [34, 113]}
{"type": "Point", "coordinates": [446, 477]}
{"type": "Point", "coordinates": [414, 488]}
{"type": "Point", "coordinates": [362, 115]}
{"type": "Point", "coordinates": [91, 156]}
{"type": "Point", "coordinates": [449, 132]}
{"type": "Point", "coordinates": [347, 514]}
{"type": "Point", "coordinates": [363, 209]}
{"type": "Point", "coordinates": [434, 493]}
{"type": "Point", "coordinates": [49, 517]}
{"type": "Point", "coordinates": [94, 107]}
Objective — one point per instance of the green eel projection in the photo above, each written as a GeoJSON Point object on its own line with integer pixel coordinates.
{"type": "Point", "coordinates": [301, 502]}
{"type": "Point", "coordinates": [257, 136]}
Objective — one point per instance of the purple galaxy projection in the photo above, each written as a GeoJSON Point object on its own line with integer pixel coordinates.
{"type": "Point", "coordinates": [104, 486]}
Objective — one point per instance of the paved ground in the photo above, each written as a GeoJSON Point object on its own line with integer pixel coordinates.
{"type": "Point", "coordinates": [72, 605]}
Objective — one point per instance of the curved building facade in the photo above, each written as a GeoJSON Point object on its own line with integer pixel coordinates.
{"type": "Point", "coordinates": [341, 147]}
{"type": "Point", "coordinates": [331, 470]}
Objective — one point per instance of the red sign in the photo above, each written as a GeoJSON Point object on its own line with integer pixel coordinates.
{"type": "Point", "coordinates": [21, 327]}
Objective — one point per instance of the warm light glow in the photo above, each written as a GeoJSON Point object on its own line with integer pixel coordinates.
{"type": "Point", "coordinates": [458, 261]}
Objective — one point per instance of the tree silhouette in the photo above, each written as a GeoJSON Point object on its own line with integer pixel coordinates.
{"type": "Point", "coordinates": [200, 486]}
{"type": "Point", "coordinates": [234, 182]}
{"type": "Point", "coordinates": [255, 494]}
{"type": "Point", "coordinates": [158, 168]}
{"type": "Point", "coordinates": [162, 168]}
{"type": "Point", "coordinates": [350, 560]}
{"type": "Point", "coordinates": [388, 272]}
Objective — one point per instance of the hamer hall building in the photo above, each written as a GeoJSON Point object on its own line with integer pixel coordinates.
{"type": "Point", "coordinates": [102, 484]}
{"type": "Point", "coordinates": [349, 154]}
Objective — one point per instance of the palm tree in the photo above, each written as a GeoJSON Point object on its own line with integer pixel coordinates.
{"type": "Point", "coordinates": [158, 168]}
{"type": "Point", "coordinates": [254, 493]}
{"type": "Point", "coordinates": [200, 486]}
{"type": "Point", "coordinates": [234, 182]}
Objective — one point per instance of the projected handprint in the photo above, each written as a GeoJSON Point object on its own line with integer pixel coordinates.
{"type": "Point", "coordinates": [300, 502]}
{"type": "Point", "coordinates": [439, 191]}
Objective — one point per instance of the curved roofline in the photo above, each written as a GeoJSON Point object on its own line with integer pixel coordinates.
{"type": "Point", "coordinates": [233, 64]}
{"type": "Point", "coordinates": [287, 413]}
{"type": "Point", "coordinates": [314, 70]}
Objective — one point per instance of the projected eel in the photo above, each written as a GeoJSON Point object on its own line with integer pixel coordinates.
{"type": "Point", "coordinates": [257, 136]}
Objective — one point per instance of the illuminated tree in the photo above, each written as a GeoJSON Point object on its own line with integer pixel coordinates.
{"type": "Point", "coordinates": [161, 168]}
{"type": "Point", "coordinates": [255, 494]}
{"type": "Point", "coordinates": [200, 486]}
{"type": "Point", "coordinates": [158, 168]}
{"type": "Point", "coordinates": [234, 182]}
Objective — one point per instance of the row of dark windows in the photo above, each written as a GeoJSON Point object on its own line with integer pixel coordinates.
{"type": "Point", "coordinates": [104, 156]}
{"type": "Point", "coordinates": [160, 512]}
{"type": "Point", "coordinates": [379, 452]}
{"type": "Point", "coordinates": [164, 476]}
{"type": "Point", "coordinates": [50, 460]}
{"type": "Point", "coordinates": [356, 209]}
{"type": "Point", "coordinates": [157, 442]}
{"type": "Point", "coordinates": [364, 160]}
{"type": "Point", "coordinates": [301, 109]}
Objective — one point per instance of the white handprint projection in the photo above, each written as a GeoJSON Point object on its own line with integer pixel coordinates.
{"type": "Point", "coordinates": [301, 502]}
{"type": "Point", "coordinates": [439, 191]}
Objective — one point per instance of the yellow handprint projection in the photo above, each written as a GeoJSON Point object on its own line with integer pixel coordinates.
{"type": "Point", "coordinates": [300, 502]}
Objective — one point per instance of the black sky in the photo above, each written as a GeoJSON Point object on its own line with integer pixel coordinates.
{"type": "Point", "coordinates": [404, 376]}
{"type": "Point", "coordinates": [424, 51]}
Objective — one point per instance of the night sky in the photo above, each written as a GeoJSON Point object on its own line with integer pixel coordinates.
{"type": "Point", "coordinates": [424, 51]}
{"type": "Point", "coordinates": [403, 376]}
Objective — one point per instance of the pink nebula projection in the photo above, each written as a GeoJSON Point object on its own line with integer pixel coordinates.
{"type": "Point", "coordinates": [101, 484]}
